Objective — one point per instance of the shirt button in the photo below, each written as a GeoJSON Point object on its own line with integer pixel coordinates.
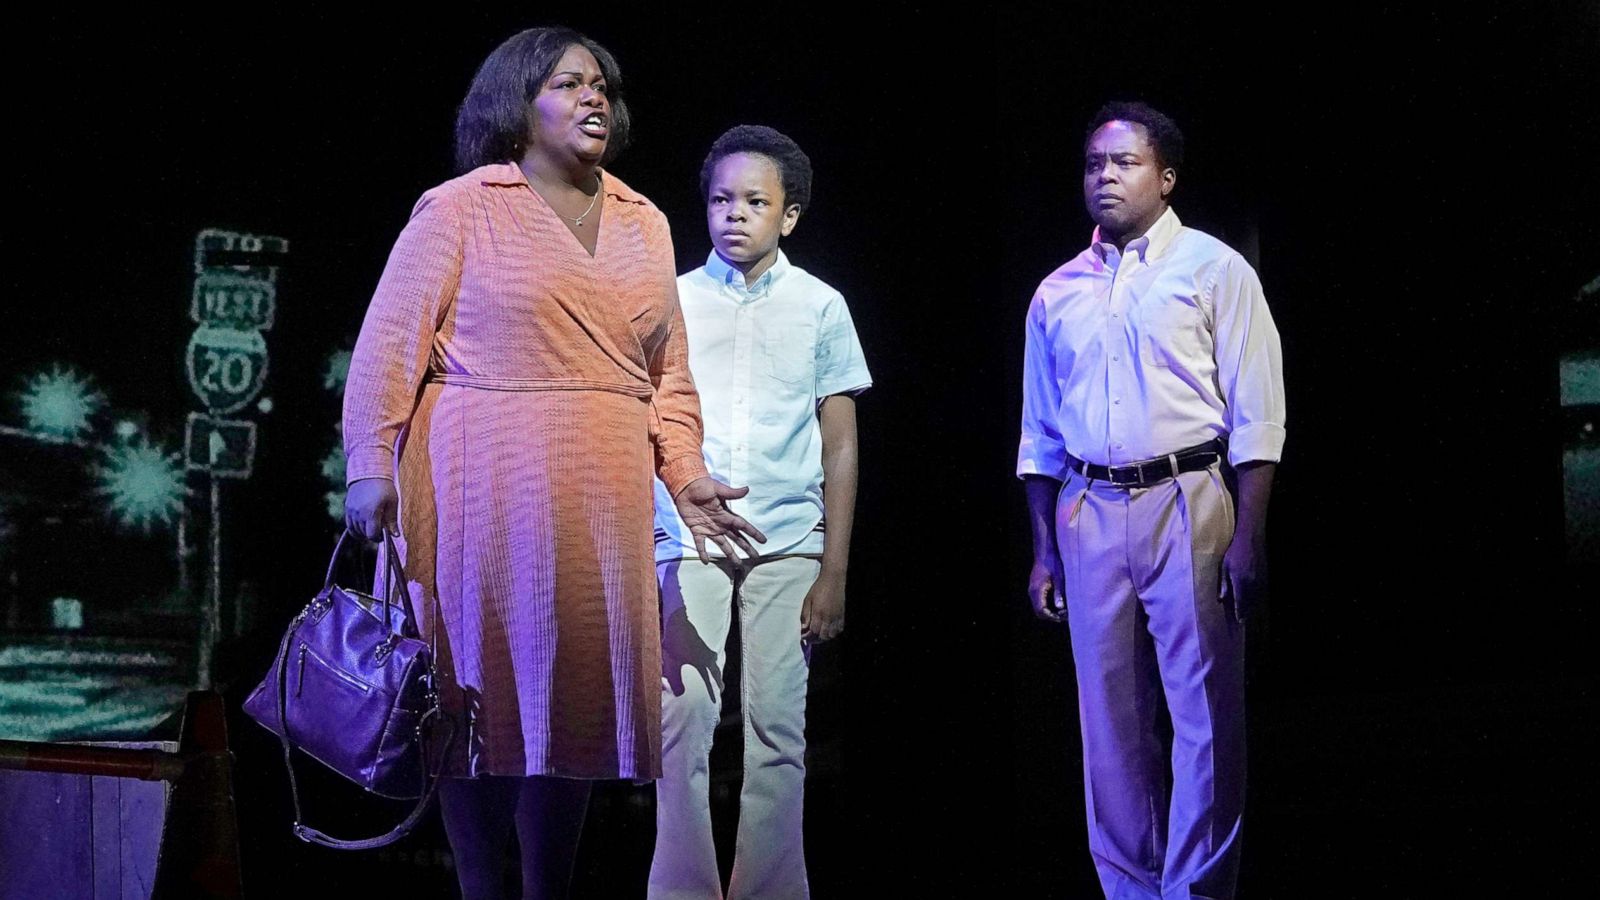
{"type": "Point", "coordinates": [1116, 315]}
{"type": "Point", "coordinates": [1117, 400]}
{"type": "Point", "coordinates": [1116, 359]}
{"type": "Point", "coordinates": [1119, 445]}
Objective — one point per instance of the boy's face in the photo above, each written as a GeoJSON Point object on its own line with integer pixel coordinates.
{"type": "Point", "coordinates": [745, 211]}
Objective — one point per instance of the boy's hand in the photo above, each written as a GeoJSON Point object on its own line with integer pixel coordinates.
{"type": "Point", "coordinates": [822, 613]}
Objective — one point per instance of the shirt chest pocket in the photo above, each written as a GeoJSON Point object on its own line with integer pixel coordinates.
{"type": "Point", "coordinates": [790, 353]}
{"type": "Point", "coordinates": [1172, 332]}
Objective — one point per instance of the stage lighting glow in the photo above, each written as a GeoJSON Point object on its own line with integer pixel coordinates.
{"type": "Point", "coordinates": [66, 613]}
{"type": "Point", "coordinates": [144, 485]}
{"type": "Point", "coordinates": [336, 371]}
{"type": "Point", "coordinates": [60, 402]}
{"type": "Point", "coordinates": [333, 471]}
{"type": "Point", "coordinates": [333, 464]}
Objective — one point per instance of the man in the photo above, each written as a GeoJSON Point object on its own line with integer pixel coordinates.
{"type": "Point", "coordinates": [1151, 360]}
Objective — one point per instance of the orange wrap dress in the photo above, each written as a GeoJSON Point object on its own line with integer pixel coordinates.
{"type": "Point", "coordinates": [522, 393]}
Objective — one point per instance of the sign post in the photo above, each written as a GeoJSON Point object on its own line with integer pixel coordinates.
{"type": "Point", "coordinates": [235, 300]}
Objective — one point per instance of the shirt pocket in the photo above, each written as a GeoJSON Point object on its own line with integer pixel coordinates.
{"type": "Point", "coordinates": [791, 353]}
{"type": "Point", "coordinates": [1172, 333]}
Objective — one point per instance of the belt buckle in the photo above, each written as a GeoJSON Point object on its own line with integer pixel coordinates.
{"type": "Point", "coordinates": [1112, 473]}
{"type": "Point", "coordinates": [1146, 472]}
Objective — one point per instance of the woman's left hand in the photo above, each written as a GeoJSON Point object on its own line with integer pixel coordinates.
{"type": "Point", "coordinates": [701, 507]}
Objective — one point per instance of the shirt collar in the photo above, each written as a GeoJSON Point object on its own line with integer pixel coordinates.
{"type": "Point", "coordinates": [1149, 245]}
{"type": "Point", "coordinates": [722, 273]}
{"type": "Point", "coordinates": [509, 174]}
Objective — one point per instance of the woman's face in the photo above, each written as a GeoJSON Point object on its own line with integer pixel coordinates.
{"type": "Point", "coordinates": [571, 115]}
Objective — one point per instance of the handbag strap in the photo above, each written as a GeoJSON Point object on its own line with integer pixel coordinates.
{"type": "Point", "coordinates": [394, 578]}
{"type": "Point", "coordinates": [431, 777]}
{"type": "Point", "coordinates": [313, 836]}
{"type": "Point", "coordinates": [396, 584]}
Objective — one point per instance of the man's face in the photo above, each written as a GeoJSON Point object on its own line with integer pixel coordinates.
{"type": "Point", "coordinates": [1124, 186]}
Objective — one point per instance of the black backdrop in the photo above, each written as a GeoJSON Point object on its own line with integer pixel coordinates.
{"type": "Point", "coordinates": [1418, 188]}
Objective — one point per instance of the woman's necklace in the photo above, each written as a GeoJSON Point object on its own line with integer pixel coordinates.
{"type": "Point", "coordinates": [599, 186]}
{"type": "Point", "coordinates": [592, 201]}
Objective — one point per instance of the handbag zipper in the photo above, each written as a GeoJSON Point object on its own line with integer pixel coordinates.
{"type": "Point", "coordinates": [332, 669]}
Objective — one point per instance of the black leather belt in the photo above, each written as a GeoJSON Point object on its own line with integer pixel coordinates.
{"type": "Point", "coordinates": [1150, 471]}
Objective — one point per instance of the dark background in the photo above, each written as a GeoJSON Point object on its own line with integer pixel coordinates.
{"type": "Point", "coordinates": [1419, 188]}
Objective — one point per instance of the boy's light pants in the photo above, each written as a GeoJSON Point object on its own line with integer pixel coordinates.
{"type": "Point", "coordinates": [696, 609]}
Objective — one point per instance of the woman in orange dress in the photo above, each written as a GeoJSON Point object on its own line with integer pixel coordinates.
{"type": "Point", "coordinates": [520, 375]}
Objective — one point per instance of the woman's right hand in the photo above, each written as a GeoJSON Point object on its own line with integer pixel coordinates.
{"type": "Point", "coordinates": [370, 508]}
{"type": "Point", "coordinates": [702, 506]}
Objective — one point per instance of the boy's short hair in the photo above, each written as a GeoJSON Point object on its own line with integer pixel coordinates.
{"type": "Point", "coordinates": [794, 167]}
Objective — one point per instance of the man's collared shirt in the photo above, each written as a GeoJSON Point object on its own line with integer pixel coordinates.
{"type": "Point", "coordinates": [1136, 354]}
{"type": "Point", "coordinates": [763, 355]}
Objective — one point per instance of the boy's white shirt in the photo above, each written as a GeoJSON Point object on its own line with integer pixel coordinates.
{"type": "Point", "coordinates": [763, 355]}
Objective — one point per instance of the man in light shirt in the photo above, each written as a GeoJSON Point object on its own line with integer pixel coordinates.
{"type": "Point", "coordinates": [1151, 363]}
{"type": "Point", "coordinates": [776, 360]}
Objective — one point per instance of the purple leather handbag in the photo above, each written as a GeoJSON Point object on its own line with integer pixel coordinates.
{"type": "Point", "coordinates": [353, 686]}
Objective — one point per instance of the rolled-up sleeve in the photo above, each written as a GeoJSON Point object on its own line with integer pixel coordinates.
{"type": "Point", "coordinates": [1249, 364]}
{"type": "Point", "coordinates": [391, 355]}
{"type": "Point", "coordinates": [1041, 451]}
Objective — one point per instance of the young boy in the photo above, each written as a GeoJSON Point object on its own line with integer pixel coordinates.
{"type": "Point", "coordinates": [776, 361]}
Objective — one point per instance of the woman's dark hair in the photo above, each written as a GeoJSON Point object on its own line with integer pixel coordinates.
{"type": "Point", "coordinates": [492, 124]}
{"type": "Point", "coordinates": [794, 167]}
{"type": "Point", "coordinates": [1165, 138]}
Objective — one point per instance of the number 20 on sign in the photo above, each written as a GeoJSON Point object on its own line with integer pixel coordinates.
{"type": "Point", "coordinates": [227, 367]}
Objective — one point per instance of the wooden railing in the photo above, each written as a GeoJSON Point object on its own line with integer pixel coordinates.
{"type": "Point", "coordinates": [199, 853]}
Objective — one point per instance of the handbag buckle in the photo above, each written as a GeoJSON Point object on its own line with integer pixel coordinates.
{"type": "Point", "coordinates": [318, 607]}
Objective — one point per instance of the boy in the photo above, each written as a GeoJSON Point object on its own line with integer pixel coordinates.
{"type": "Point", "coordinates": [777, 363]}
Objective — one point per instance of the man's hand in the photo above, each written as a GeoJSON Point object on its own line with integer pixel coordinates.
{"type": "Point", "coordinates": [822, 613]}
{"type": "Point", "coordinates": [701, 507]}
{"type": "Point", "coordinates": [1244, 566]}
{"type": "Point", "coordinates": [1244, 575]}
{"type": "Point", "coordinates": [1045, 590]}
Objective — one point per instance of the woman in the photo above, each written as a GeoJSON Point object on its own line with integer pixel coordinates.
{"type": "Point", "coordinates": [521, 372]}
